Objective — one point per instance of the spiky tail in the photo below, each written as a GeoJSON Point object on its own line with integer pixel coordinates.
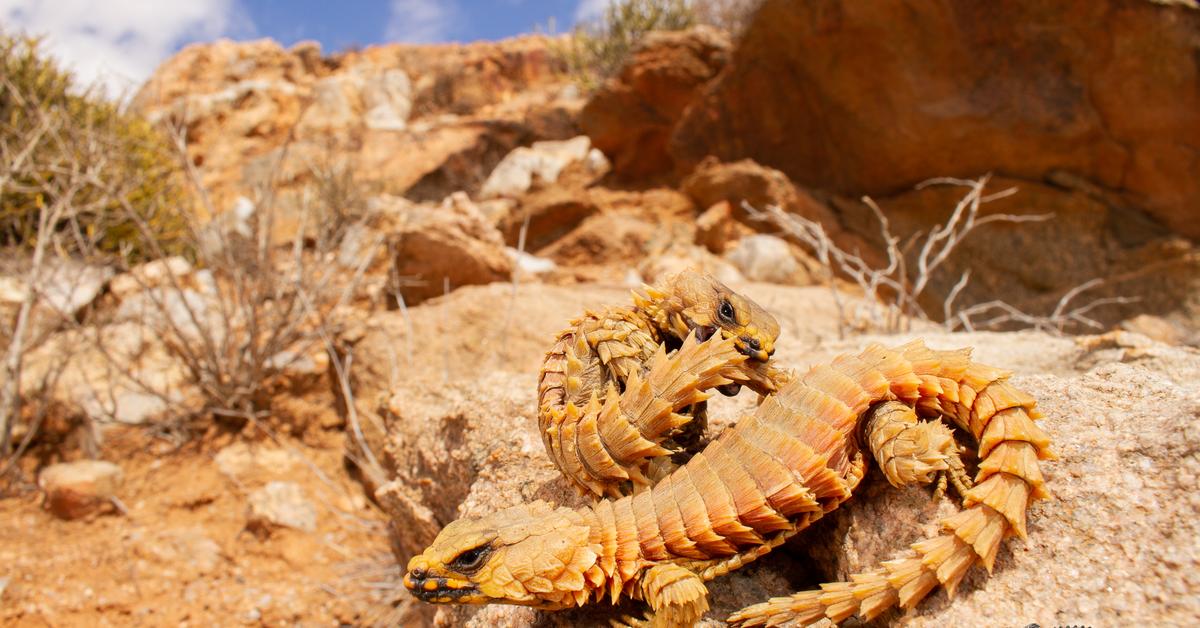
{"type": "Point", "coordinates": [612, 440]}
{"type": "Point", "coordinates": [1001, 418]}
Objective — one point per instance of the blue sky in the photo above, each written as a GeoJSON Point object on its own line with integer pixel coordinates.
{"type": "Point", "coordinates": [120, 42]}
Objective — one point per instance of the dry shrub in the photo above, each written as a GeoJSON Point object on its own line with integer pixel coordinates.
{"type": "Point", "coordinates": [251, 309]}
{"type": "Point", "coordinates": [598, 50]}
{"type": "Point", "coordinates": [893, 292]}
{"type": "Point", "coordinates": [730, 15]}
{"type": "Point", "coordinates": [63, 145]}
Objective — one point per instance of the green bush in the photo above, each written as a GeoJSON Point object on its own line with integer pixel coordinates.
{"type": "Point", "coordinates": [103, 168]}
{"type": "Point", "coordinates": [599, 50]}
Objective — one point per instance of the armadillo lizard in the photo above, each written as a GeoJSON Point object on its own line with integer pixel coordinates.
{"type": "Point", "coordinates": [760, 482]}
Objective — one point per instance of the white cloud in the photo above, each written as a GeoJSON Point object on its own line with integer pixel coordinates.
{"type": "Point", "coordinates": [588, 10]}
{"type": "Point", "coordinates": [119, 43]}
{"type": "Point", "coordinates": [421, 21]}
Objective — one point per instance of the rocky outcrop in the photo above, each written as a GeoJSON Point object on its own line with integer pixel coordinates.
{"type": "Point", "coordinates": [631, 117]}
{"type": "Point", "coordinates": [430, 119]}
{"type": "Point", "coordinates": [1117, 541]}
{"type": "Point", "coordinates": [873, 97]}
{"type": "Point", "coordinates": [1032, 265]}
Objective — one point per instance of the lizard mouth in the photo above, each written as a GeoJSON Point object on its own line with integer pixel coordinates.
{"type": "Point", "coordinates": [440, 590]}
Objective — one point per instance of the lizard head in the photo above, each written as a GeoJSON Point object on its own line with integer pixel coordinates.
{"type": "Point", "coordinates": [532, 555]}
{"type": "Point", "coordinates": [695, 302]}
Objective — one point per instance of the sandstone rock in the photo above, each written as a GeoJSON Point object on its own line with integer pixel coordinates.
{"type": "Point", "coordinates": [388, 101]}
{"type": "Point", "coordinates": [432, 117]}
{"type": "Point", "coordinates": [121, 372]}
{"type": "Point", "coordinates": [630, 118]}
{"type": "Point", "coordinates": [543, 161]}
{"type": "Point", "coordinates": [547, 216]}
{"type": "Point", "coordinates": [150, 275]}
{"type": "Point", "coordinates": [679, 258]}
{"type": "Point", "coordinates": [280, 505]}
{"type": "Point", "coordinates": [1117, 540]}
{"type": "Point", "coordinates": [530, 264]}
{"type": "Point", "coordinates": [1159, 329]}
{"type": "Point", "coordinates": [442, 247]}
{"type": "Point", "coordinates": [1031, 265]}
{"type": "Point", "coordinates": [604, 239]}
{"type": "Point", "coordinates": [716, 227]}
{"type": "Point", "coordinates": [898, 95]}
{"type": "Point", "coordinates": [77, 489]}
{"type": "Point", "coordinates": [1123, 419]}
{"type": "Point", "coordinates": [246, 462]}
{"type": "Point", "coordinates": [768, 259]}
{"type": "Point", "coordinates": [452, 156]}
{"type": "Point", "coordinates": [713, 182]}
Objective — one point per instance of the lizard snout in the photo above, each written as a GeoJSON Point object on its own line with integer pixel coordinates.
{"type": "Point", "coordinates": [752, 348]}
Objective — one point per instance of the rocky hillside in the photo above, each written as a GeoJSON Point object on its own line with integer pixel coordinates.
{"type": "Point", "coordinates": [442, 211]}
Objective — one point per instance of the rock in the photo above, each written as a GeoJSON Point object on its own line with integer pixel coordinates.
{"type": "Point", "coordinates": [716, 227]}
{"type": "Point", "coordinates": [1126, 434]}
{"type": "Point", "coordinates": [280, 505]}
{"type": "Point", "coordinates": [713, 182]}
{"type": "Point", "coordinates": [151, 275]}
{"type": "Point", "coordinates": [68, 285]}
{"type": "Point", "coordinates": [1123, 419]}
{"type": "Point", "coordinates": [679, 258]}
{"type": "Point", "coordinates": [768, 259]}
{"type": "Point", "coordinates": [245, 462]}
{"type": "Point", "coordinates": [77, 489]}
{"type": "Point", "coordinates": [186, 315]}
{"type": "Point", "coordinates": [1031, 265]}
{"type": "Point", "coordinates": [547, 216]}
{"type": "Point", "coordinates": [187, 549]}
{"type": "Point", "coordinates": [119, 372]}
{"type": "Point", "coordinates": [388, 101]}
{"type": "Point", "coordinates": [138, 408]}
{"type": "Point", "coordinates": [543, 161]}
{"type": "Point", "coordinates": [451, 157]}
{"type": "Point", "coordinates": [442, 247]}
{"type": "Point", "coordinates": [530, 264]}
{"type": "Point", "coordinates": [433, 118]}
{"type": "Point", "coordinates": [630, 117]}
{"type": "Point", "coordinates": [1158, 328]}
{"type": "Point", "coordinates": [64, 288]}
{"type": "Point", "coordinates": [605, 239]}
{"type": "Point", "coordinates": [899, 95]}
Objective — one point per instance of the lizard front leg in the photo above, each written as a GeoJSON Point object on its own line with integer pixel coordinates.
{"type": "Point", "coordinates": [676, 596]}
{"type": "Point", "coordinates": [910, 451]}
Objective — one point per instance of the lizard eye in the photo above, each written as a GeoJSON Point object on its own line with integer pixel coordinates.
{"type": "Point", "coordinates": [726, 311]}
{"type": "Point", "coordinates": [470, 560]}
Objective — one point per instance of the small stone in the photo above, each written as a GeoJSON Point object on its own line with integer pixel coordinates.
{"type": "Point", "coordinates": [78, 489]}
{"type": "Point", "coordinates": [281, 504]}
{"type": "Point", "coordinates": [766, 258]}
{"type": "Point", "coordinates": [149, 275]}
{"type": "Point", "coordinates": [514, 175]}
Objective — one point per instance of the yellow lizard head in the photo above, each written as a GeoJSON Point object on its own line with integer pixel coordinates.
{"type": "Point", "coordinates": [532, 555]}
{"type": "Point", "coordinates": [691, 301]}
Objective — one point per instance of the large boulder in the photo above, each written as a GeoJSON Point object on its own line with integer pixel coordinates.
{"type": "Point", "coordinates": [875, 96]}
{"type": "Point", "coordinates": [1118, 540]}
{"type": "Point", "coordinates": [631, 116]}
{"type": "Point", "coordinates": [1032, 265]}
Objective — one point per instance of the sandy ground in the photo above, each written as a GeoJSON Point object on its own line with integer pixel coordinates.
{"type": "Point", "coordinates": [182, 554]}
